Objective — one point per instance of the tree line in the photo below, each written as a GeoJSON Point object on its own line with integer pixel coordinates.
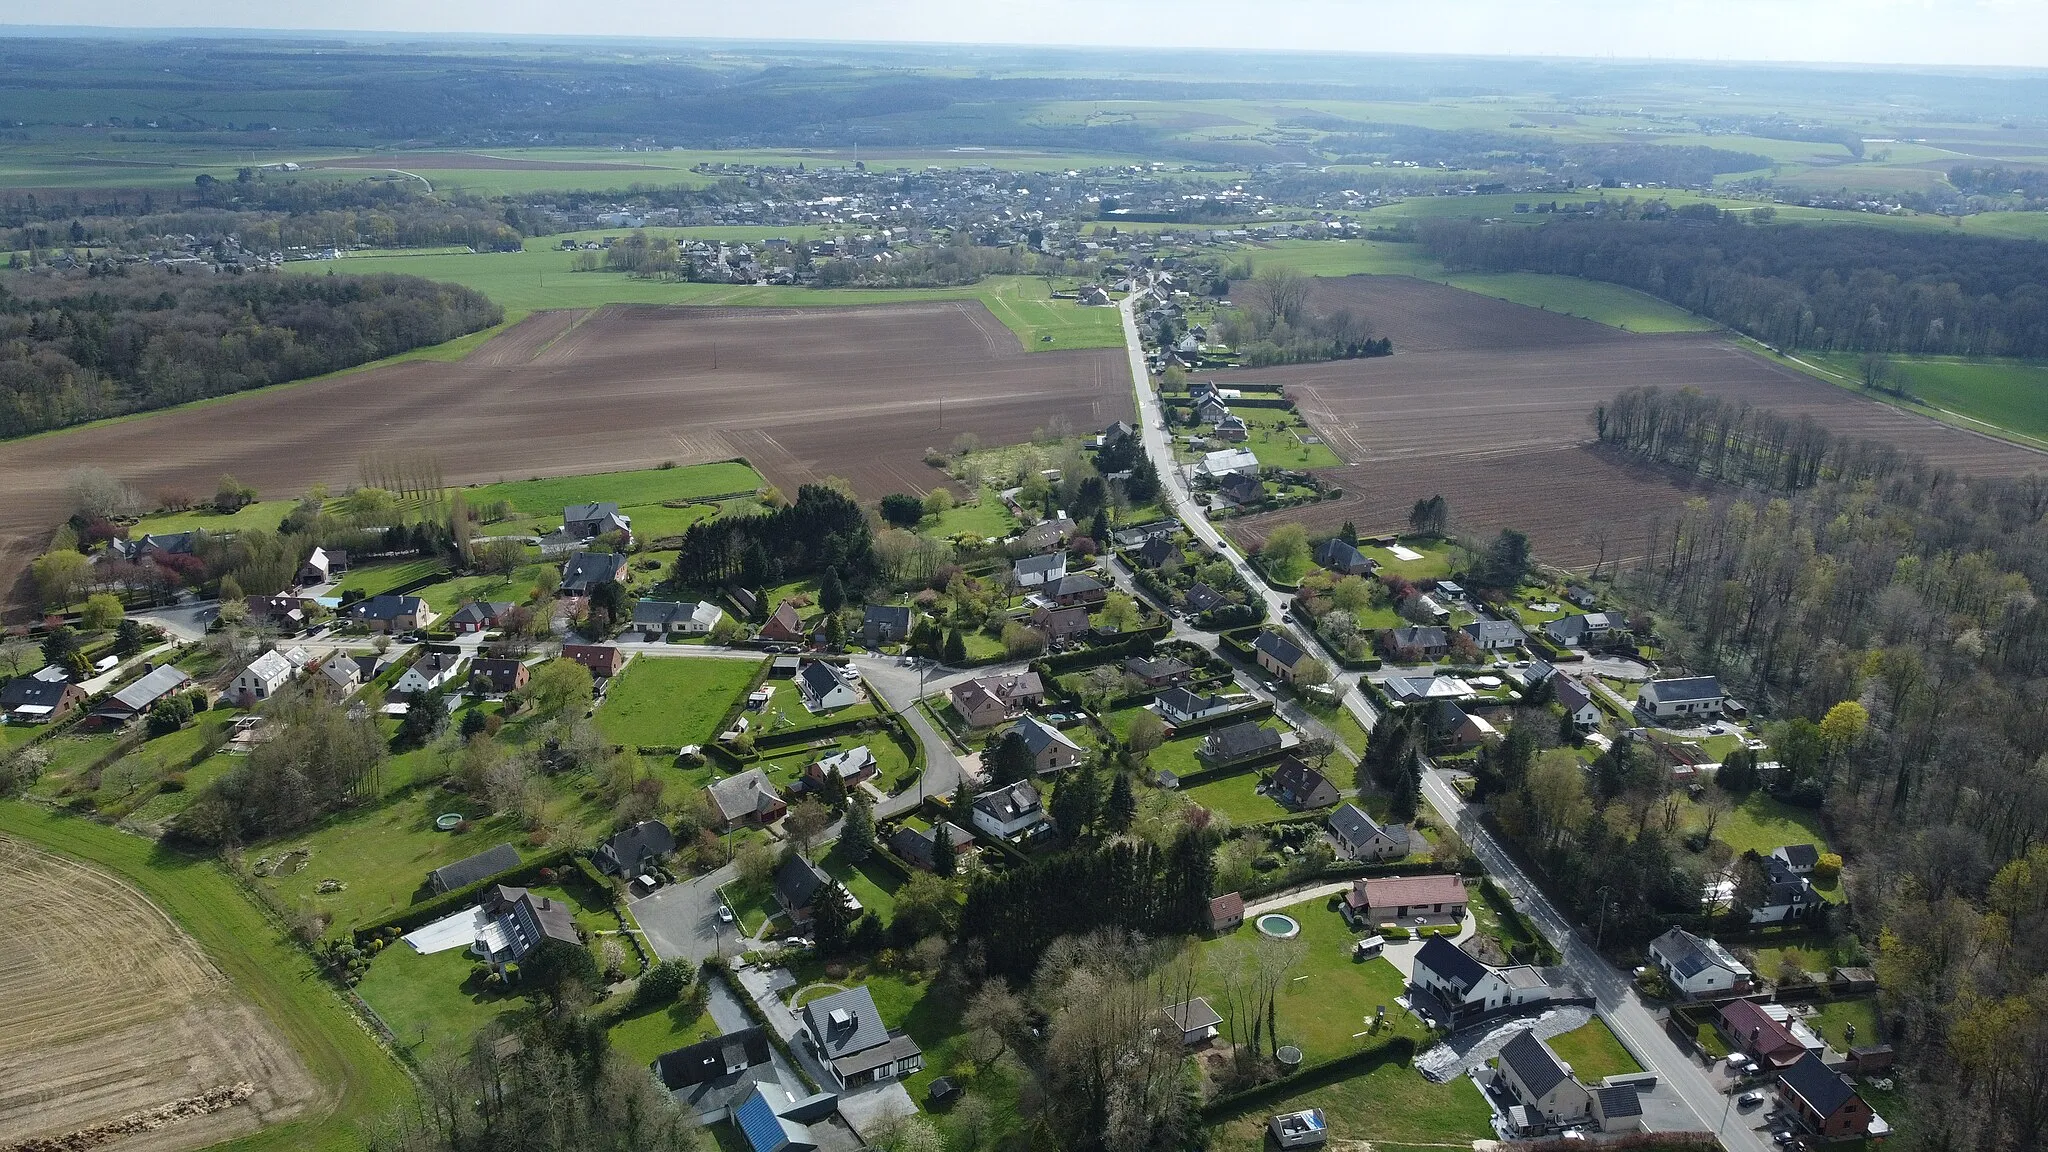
{"type": "Point", "coordinates": [824, 531]}
{"type": "Point", "coordinates": [1017, 913]}
{"type": "Point", "coordinates": [79, 347]}
{"type": "Point", "coordinates": [1723, 439]}
{"type": "Point", "coordinates": [1276, 322]}
{"type": "Point", "coordinates": [1822, 287]}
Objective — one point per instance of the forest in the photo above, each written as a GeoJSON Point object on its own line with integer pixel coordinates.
{"type": "Point", "coordinates": [1724, 440]}
{"type": "Point", "coordinates": [110, 340]}
{"type": "Point", "coordinates": [1822, 287]}
{"type": "Point", "coordinates": [825, 531]}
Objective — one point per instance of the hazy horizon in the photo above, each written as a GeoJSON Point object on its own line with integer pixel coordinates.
{"type": "Point", "coordinates": [1909, 33]}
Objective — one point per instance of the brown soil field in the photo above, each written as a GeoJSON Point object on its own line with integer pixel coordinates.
{"type": "Point", "coordinates": [472, 161]}
{"type": "Point", "coordinates": [110, 1010]}
{"type": "Point", "coordinates": [1489, 403]}
{"type": "Point", "coordinates": [858, 392]}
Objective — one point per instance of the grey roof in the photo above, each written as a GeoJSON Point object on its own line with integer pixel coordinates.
{"type": "Point", "coordinates": [920, 845]}
{"type": "Point", "coordinates": [33, 690]}
{"type": "Point", "coordinates": [1192, 1015]}
{"type": "Point", "coordinates": [1007, 803]}
{"type": "Point", "coordinates": [661, 612]}
{"type": "Point", "coordinates": [1156, 551]}
{"type": "Point", "coordinates": [469, 870]}
{"type": "Point", "coordinates": [1284, 652]}
{"type": "Point", "coordinates": [1155, 667]}
{"type": "Point", "coordinates": [1572, 694]}
{"type": "Point", "coordinates": [388, 607]}
{"type": "Point", "coordinates": [1494, 630]}
{"type": "Point", "coordinates": [1691, 955]}
{"type": "Point", "coordinates": [1619, 1100]}
{"type": "Point", "coordinates": [629, 850]}
{"type": "Point", "coordinates": [587, 568]}
{"type": "Point", "coordinates": [1689, 688]}
{"type": "Point", "coordinates": [799, 881]}
{"type": "Point", "coordinates": [861, 1027]}
{"type": "Point", "coordinates": [152, 687]}
{"type": "Point", "coordinates": [1421, 636]}
{"type": "Point", "coordinates": [1240, 740]}
{"type": "Point", "coordinates": [713, 1059]}
{"type": "Point", "coordinates": [1537, 1067]}
{"type": "Point", "coordinates": [1186, 703]}
{"type": "Point", "coordinates": [479, 611]}
{"type": "Point", "coordinates": [1038, 735]}
{"type": "Point", "coordinates": [819, 678]}
{"type": "Point", "coordinates": [1076, 584]}
{"type": "Point", "coordinates": [891, 616]}
{"type": "Point", "coordinates": [1041, 565]}
{"type": "Point", "coordinates": [1451, 962]}
{"type": "Point", "coordinates": [1798, 855]}
{"type": "Point", "coordinates": [1350, 822]}
{"type": "Point", "coordinates": [745, 794]}
{"type": "Point", "coordinates": [1201, 597]}
{"type": "Point", "coordinates": [879, 1056]}
{"type": "Point", "coordinates": [1336, 552]}
{"type": "Point", "coordinates": [1822, 1088]}
{"type": "Point", "coordinates": [576, 513]}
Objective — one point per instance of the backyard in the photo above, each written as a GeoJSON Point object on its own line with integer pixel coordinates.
{"type": "Point", "coordinates": [1237, 797]}
{"type": "Point", "coordinates": [1391, 1106]}
{"type": "Point", "coordinates": [431, 1001]}
{"type": "Point", "coordinates": [1593, 1052]}
{"type": "Point", "coordinates": [670, 702]}
{"type": "Point", "coordinates": [1276, 439]}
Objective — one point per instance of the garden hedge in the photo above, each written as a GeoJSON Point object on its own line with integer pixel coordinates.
{"type": "Point", "coordinates": [430, 910]}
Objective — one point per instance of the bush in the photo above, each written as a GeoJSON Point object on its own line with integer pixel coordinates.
{"type": "Point", "coordinates": [1828, 867]}
{"type": "Point", "coordinates": [662, 984]}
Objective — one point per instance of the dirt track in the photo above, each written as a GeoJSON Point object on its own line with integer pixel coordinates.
{"type": "Point", "coordinates": [1488, 403]}
{"type": "Point", "coordinates": [802, 393]}
{"type": "Point", "coordinates": [110, 1010]}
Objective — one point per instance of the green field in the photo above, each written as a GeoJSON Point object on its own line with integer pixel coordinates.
{"type": "Point", "coordinates": [377, 579]}
{"type": "Point", "coordinates": [1236, 797]}
{"type": "Point", "coordinates": [361, 1081]}
{"type": "Point", "coordinates": [1392, 1107]}
{"type": "Point", "coordinates": [669, 702]}
{"type": "Point", "coordinates": [631, 491]}
{"type": "Point", "coordinates": [647, 1035]}
{"type": "Point", "coordinates": [267, 514]}
{"type": "Point", "coordinates": [431, 1003]}
{"type": "Point", "coordinates": [1989, 395]}
{"type": "Point", "coordinates": [1275, 440]}
{"type": "Point", "coordinates": [1593, 1052]}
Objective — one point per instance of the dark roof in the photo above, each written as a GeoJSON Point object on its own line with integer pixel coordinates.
{"type": "Point", "coordinates": [1532, 1060]}
{"type": "Point", "coordinates": [33, 690]}
{"type": "Point", "coordinates": [1421, 636]}
{"type": "Point", "coordinates": [1041, 564]}
{"type": "Point", "coordinates": [153, 686]}
{"type": "Point", "coordinates": [1076, 584]}
{"type": "Point", "coordinates": [1284, 652]}
{"type": "Point", "coordinates": [1484, 630]}
{"type": "Point", "coordinates": [920, 845]}
{"type": "Point", "coordinates": [1350, 822]}
{"type": "Point", "coordinates": [479, 611]}
{"type": "Point", "coordinates": [799, 881]}
{"type": "Point", "coordinates": [1619, 1100]}
{"type": "Point", "coordinates": [1689, 955]}
{"type": "Point", "coordinates": [465, 872]}
{"type": "Point", "coordinates": [859, 1029]}
{"type": "Point", "coordinates": [714, 1058]}
{"type": "Point", "coordinates": [1011, 801]}
{"type": "Point", "coordinates": [1156, 551]}
{"type": "Point", "coordinates": [1201, 598]}
{"type": "Point", "coordinates": [550, 918]}
{"type": "Point", "coordinates": [575, 512]}
{"type": "Point", "coordinates": [1824, 1090]}
{"type": "Point", "coordinates": [1449, 961]}
{"type": "Point", "coordinates": [893, 616]}
{"type": "Point", "coordinates": [1799, 855]}
{"type": "Point", "coordinates": [1294, 775]}
{"type": "Point", "coordinates": [1155, 667]}
{"type": "Point", "coordinates": [629, 850]}
{"type": "Point", "coordinates": [746, 794]}
{"type": "Point", "coordinates": [1336, 552]}
{"type": "Point", "coordinates": [1689, 688]}
{"type": "Point", "coordinates": [1240, 740]}
{"type": "Point", "coordinates": [388, 607]}
{"type": "Point", "coordinates": [819, 678]}
{"type": "Point", "coordinates": [1039, 735]}
{"type": "Point", "coordinates": [1572, 694]}
{"type": "Point", "coordinates": [587, 568]}
{"type": "Point", "coordinates": [1192, 1015]}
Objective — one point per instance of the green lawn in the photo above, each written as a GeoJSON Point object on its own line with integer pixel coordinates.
{"type": "Point", "coordinates": [637, 493]}
{"type": "Point", "coordinates": [377, 579]}
{"type": "Point", "coordinates": [1237, 797]}
{"type": "Point", "coordinates": [1434, 565]}
{"type": "Point", "coordinates": [866, 880]}
{"type": "Point", "coordinates": [985, 518]}
{"type": "Point", "coordinates": [2008, 394]}
{"type": "Point", "coordinates": [267, 514]}
{"type": "Point", "coordinates": [786, 712]}
{"type": "Point", "coordinates": [1593, 1052]}
{"type": "Point", "coordinates": [1275, 442]}
{"type": "Point", "coordinates": [1391, 1106]}
{"type": "Point", "coordinates": [662, 701]}
{"type": "Point", "coordinates": [1340, 720]}
{"type": "Point", "coordinates": [1762, 823]}
{"type": "Point", "coordinates": [431, 1003]}
{"type": "Point", "coordinates": [361, 1081]}
{"type": "Point", "coordinates": [649, 1034]}
{"type": "Point", "coordinates": [448, 595]}
{"type": "Point", "coordinates": [784, 764]}
{"type": "Point", "coordinates": [1835, 1017]}
{"type": "Point", "coordinates": [750, 905]}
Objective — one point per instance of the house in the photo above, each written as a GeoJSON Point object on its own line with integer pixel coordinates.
{"type": "Point", "coordinates": [1178, 706]}
{"type": "Point", "coordinates": [1699, 966]}
{"type": "Point", "coordinates": [1789, 896]}
{"type": "Point", "coordinates": [1241, 488]}
{"type": "Point", "coordinates": [603, 660]}
{"type": "Point", "coordinates": [1577, 631]}
{"type": "Point", "coordinates": [1008, 811]}
{"type": "Point", "coordinates": [774, 1120]}
{"type": "Point", "coordinates": [1058, 624]}
{"type": "Point", "coordinates": [588, 521]}
{"type": "Point", "coordinates": [712, 1077]}
{"type": "Point", "coordinates": [1417, 689]}
{"type": "Point", "coordinates": [1824, 1102]}
{"type": "Point", "coordinates": [1691, 696]}
{"type": "Point", "coordinates": [323, 566]}
{"type": "Point", "coordinates": [1471, 729]}
{"type": "Point", "coordinates": [1226, 913]}
{"type": "Point", "coordinates": [1278, 654]}
{"type": "Point", "coordinates": [1388, 898]}
{"type": "Point", "coordinates": [1035, 571]}
{"type": "Point", "coordinates": [1076, 588]}
{"type": "Point", "coordinates": [586, 570]}
{"type": "Point", "coordinates": [1535, 1078]}
{"type": "Point", "coordinates": [1580, 597]}
{"type": "Point", "coordinates": [783, 624]}
{"type": "Point", "coordinates": [1416, 641]}
{"type": "Point", "coordinates": [1299, 786]}
{"type": "Point", "coordinates": [479, 616]}
{"type": "Point", "coordinates": [1304, 1129]}
{"type": "Point", "coordinates": [1211, 410]}
{"type": "Point", "coordinates": [1751, 1030]}
{"type": "Point", "coordinates": [513, 922]}
{"type": "Point", "coordinates": [988, 700]}
{"type": "Point", "coordinates": [1047, 533]}
{"type": "Point", "coordinates": [846, 1031]}
{"type": "Point", "coordinates": [1158, 671]}
{"type": "Point", "coordinates": [471, 869]}
{"type": "Point", "coordinates": [628, 852]}
{"type": "Point", "coordinates": [1115, 434]}
{"type": "Point", "coordinates": [392, 613]}
{"type": "Point", "coordinates": [1238, 743]}
{"type": "Point", "coordinates": [40, 698]}
{"type": "Point", "coordinates": [746, 798]}
{"type": "Point", "coordinates": [1360, 837]}
{"type": "Point", "coordinates": [150, 547]}
{"type": "Point", "coordinates": [1495, 635]}
{"type": "Point", "coordinates": [920, 846]}
{"type": "Point", "coordinates": [1339, 555]}
{"type": "Point", "coordinates": [261, 679]}
{"type": "Point", "coordinates": [882, 624]}
{"type": "Point", "coordinates": [1429, 607]}
{"type": "Point", "coordinates": [1450, 590]}
{"type": "Point", "coordinates": [139, 697]}
{"type": "Point", "coordinates": [341, 674]}
{"type": "Point", "coordinates": [1798, 859]}
{"type": "Point", "coordinates": [1201, 598]}
{"type": "Point", "coordinates": [287, 614]}
{"type": "Point", "coordinates": [1216, 465]}
{"type": "Point", "coordinates": [497, 676]}
{"type": "Point", "coordinates": [1051, 750]}
{"type": "Point", "coordinates": [798, 883]}
{"type": "Point", "coordinates": [1232, 429]}
{"type": "Point", "coordinates": [1470, 990]}
{"type": "Point", "coordinates": [746, 600]}
{"type": "Point", "coordinates": [429, 672]}
{"type": "Point", "coordinates": [1577, 701]}
{"type": "Point", "coordinates": [1156, 551]}
{"type": "Point", "coordinates": [826, 688]}
{"type": "Point", "coordinates": [854, 767]}
{"type": "Point", "coordinates": [1194, 1020]}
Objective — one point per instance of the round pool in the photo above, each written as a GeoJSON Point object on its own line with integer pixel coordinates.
{"type": "Point", "coordinates": [1278, 927]}
{"type": "Point", "coordinates": [447, 821]}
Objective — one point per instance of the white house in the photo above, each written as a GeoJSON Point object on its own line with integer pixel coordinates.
{"type": "Point", "coordinates": [846, 1032]}
{"type": "Point", "coordinates": [1540, 1082]}
{"type": "Point", "coordinates": [825, 688]}
{"type": "Point", "coordinates": [1179, 706]}
{"type": "Point", "coordinates": [665, 618]}
{"type": "Point", "coordinates": [1692, 696]}
{"type": "Point", "coordinates": [1577, 700]}
{"type": "Point", "coordinates": [1033, 571]}
{"type": "Point", "coordinates": [1470, 990]}
{"type": "Point", "coordinates": [1698, 966]}
{"type": "Point", "coordinates": [430, 671]}
{"type": "Point", "coordinates": [1008, 811]}
{"type": "Point", "coordinates": [1360, 837]}
{"type": "Point", "coordinates": [264, 676]}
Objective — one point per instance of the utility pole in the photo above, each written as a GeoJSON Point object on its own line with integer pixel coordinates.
{"type": "Point", "coordinates": [1601, 932]}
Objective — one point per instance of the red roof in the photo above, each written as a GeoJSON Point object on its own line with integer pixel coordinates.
{"type": "Point", "coordinates": [1408, 891]}
{"type": "Point", "coordinates": [1229, 906]}
{"type": "Point", "coordinates": [1774, 1043]}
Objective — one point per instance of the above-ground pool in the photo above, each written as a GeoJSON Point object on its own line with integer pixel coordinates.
{"type": "Point", "coordinates": [1279, 927]}
{"type": "Point", "coordinates": [447, 821]}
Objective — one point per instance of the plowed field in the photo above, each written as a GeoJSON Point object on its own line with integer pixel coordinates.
{"type": "Point", "coordinates": [858, 392]}
{"type": "Point", "coordinates": [1489, 403]}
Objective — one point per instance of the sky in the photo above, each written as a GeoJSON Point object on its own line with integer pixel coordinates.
{"type": "Point", "coordinates": [2011, 33]}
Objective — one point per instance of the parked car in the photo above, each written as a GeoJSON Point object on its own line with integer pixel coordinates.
{"type": "Point", "coordinates": [724, 914]}
{"type": "Point", "coordinates": [1750, 1099]}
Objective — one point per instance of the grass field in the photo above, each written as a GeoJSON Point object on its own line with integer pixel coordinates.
{"type": "Point", "coordinates": [985, 517]}
{"type": "Point", "coordinates": [1391, 1107]}
{"type": "Point", "coordinates": [448, 595]}
{"type": "Point", "coordinates": [1836, 1017]}
{"type": "Point", "coordinates": [431, 1003]}
{"type": "Point", "coordinates": [362, 1082]}
{"type": "Point", "coordinates": [2010, 396]}
{"type": "Point", "coordinates": [1275, 440]}
{"type": "Point", "coordinates": [376, 579]}
{"type": "Point", "coordinates": [1237, 797]}
{"type": "Point", "coordinates": [646, 1035]}
{"type": "Point", "coordinates": [631, 491]}
{"type": "Point", "coordinates": [661, 701]}
{"type": "Point", "coordinates": [1593, 1052]}
{"type": "Point", "coordinates": [266, 514]}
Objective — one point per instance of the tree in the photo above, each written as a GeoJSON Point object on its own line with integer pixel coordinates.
{"type": "Point", "coordinates": [1840, 729]}
{"type": "Point", "coordinates": [1506, 561]}
{"type": "Point", "coordinates": [755, 861]}
{"type": "Point", "coordinates": [14, 655]}
{"type": "Point", "coordinates": [1311, 673]}
{"type": "Point", "coordinates": [560, 688]}
{"type": "Point", "coordinates": [1008, 759]}
{"type": "Point", "coordinates": [944, 862]}
{"type": "Point", "coordinates": [996, 1022]}
{"type": "Point", "coordinates": [423, 717]}
{"type": "Point", "coordinates": [1737, 773]}
{"type": "Point", "coordinates": [95, 494]}
{"type": "Point", "coordinates": [62, 646]}
{"type": "Point", "coordinates": [902, 509]}
{"type": "Point", "coordinates": [857, 835]}
{"type": "Point", "coordinates": [938, 502]}
{"type": "Point", "coordinates": [956, 648]}
{"type": "Point", "coordinates": [1430, 516]}
{"type": "Point", "coordinates": [232, 495]}
{"type": "Point", "coordinates": [1286, 551]}
{"type": "Point", "coordinates": [831, 918]}
{"type": "Point", "coordinates": [831, 593]}
{"type": "Point", "coordinates": [662, 984]}
{"type": "Point", "coordinates": [806, 821]}
{"type": "Point", "coordinates": [1075, 802]}
{"type": "Point", "coordinates": [102, 611]}
{"type": "Point", "coordinates": [59, 576]}
{"type": "Point", "coordinates": [1122, 810]}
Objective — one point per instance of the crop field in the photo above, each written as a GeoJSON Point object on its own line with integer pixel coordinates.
{"type": "Point", "coordinates": [858, 393]}
{"type": "Point", "coordinates": [117, 1011]}
{"type": "Point", "coordinates": [1490, 403]}
{"type": "Point", "coordinates": [1993, 395]}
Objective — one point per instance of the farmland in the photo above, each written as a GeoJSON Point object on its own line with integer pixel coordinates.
{"type": "Point", "coordinates": [2003, 396]}
{"type": "Point", "coordinates": [1488, 403]}
{"type": "Point", "coordinates": [800, 394]}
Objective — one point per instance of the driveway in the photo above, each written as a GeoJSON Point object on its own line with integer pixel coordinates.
{"type": "Point", "coordinates": [866, 1108]}
{"type": "Point", "coordinates": [681, 921]}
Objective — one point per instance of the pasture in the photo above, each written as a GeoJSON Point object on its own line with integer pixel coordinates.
{"type": "Point", "coordinates": [2000, 396]}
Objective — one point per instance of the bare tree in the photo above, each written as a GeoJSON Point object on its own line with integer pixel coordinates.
{"type": "Point", "coordinates": [1281, 293]}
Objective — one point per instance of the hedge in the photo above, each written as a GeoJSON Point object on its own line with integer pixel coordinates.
{"type": "Point", "coordinates": [1138, 643]}
{"type": "Point", "coordinates": [1399, 1050]}
{"type": "Point", "coordinates": [1258, 711]}
{"type": "Point", "coordinates": [432, 909]}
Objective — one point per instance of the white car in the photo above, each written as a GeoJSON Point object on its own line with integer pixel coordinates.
{"type": "Point", "coordinates": [724, 914]}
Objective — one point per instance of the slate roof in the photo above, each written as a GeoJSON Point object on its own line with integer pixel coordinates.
{"type": "Point", "coordinates": [1283, 651]}
{"type": "Point", "coordinates": [920, 845]}
{"type": "Point", "coordinates": [1156, 551]}
{"type": "Point", "coordinates": [1800, 856]}
{"type": "Point", "coordinates": [469, 870]}
{"type": "Point", "coordinates": [628, 850]}
{"type": "Point", "coordinates": [478, 613]}
{"type": "Point", "coordinates": [894, 617]}
{"type": "Point", "coordinates": [1192, 1015]}
{"type": "Point", "coordinates": [1420, 636]}
{"type": "Point", "coordinates": [1338, 553]}
{"type": "Point", "coordinates": [1008, 803]}
{"type": "Point", "coordinates": [1824, 1090]}
{"type": "Point", "coordinates": [137, 697]}
{"type": "Point", "coordinates": [1535, 1065]}
{"type": "Point", "coordinates": [712, 1059]}
{"type": "Point", "coordinates": [388, 608]}
{"type": "Point", "coordinates": [819, 679]}
{"type": "Point", "coordinates": [1691, 955]}
{"type": "Point", "coordinates": [1451, 962]}
{"type": "Point", "coordinates": [1495, 631]}
{"type": "Point", "coordinates": [1618, 1100]}
{"type": "Point", "coordinates": [586, 570]}
{"type": "Point", "coordinates": [1077, 584]}
{"type": "Point", "coordinates": [31, 691]}
{"type": "Point", "coordinates": [746, 794]}
{"type": "Point", "coordinates": [1351, 823]}
{"type": "Point", "coordinates": [799, 881]}
{"type": "Point", "coordinates": [862, 1031]}
{"type": "Point", "coordinates": [1572, 694]}
{"type": "Point", "coordinates": [1202, 598]}
{"type": "Point", "coordinates": [1241, 740]}
{"type": "Point", "coordinates": [1157, 667]}
{"type": "Point", "coordinates": [1038, 735]}
{"type": "Point", "coordinates": [1041, 565]}
{"type": "Point", "coordinates": [1681, 690]}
